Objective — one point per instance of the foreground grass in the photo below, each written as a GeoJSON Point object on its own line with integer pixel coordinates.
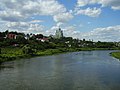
{"type": "Point", "coordinates": [116, 54]}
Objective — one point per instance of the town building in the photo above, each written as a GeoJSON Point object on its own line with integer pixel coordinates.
{"type": "Point", "coordinates": [11, 36]}
{"type": "Point", "coordinates": [43, 39]}
{"type": "Point", "coordinates": [59, 33]}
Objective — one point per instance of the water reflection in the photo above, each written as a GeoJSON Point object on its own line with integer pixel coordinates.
{"type": "Point", "coordinates": [85, 70]}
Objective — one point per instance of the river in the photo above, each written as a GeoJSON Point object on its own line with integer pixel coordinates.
{"type": "Point", "coordinates": [84, 70]}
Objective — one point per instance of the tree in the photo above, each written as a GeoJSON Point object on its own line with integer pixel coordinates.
{"type": "Point", "coordinates": [21, 40]}
{"type": "Point", "coordinates": [28, 50]}
{"type": "Point", "coordinates": [6, 32]}
{"type": "Point", "coordinates": [83, 40]}
{"type": "Point", "coordinates": [39, 36]}
{"type": "Point", "coordinates": [0, 50]}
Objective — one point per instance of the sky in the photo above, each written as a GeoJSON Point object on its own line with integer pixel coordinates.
{"type": "Point", "coordinates": [97, 20]}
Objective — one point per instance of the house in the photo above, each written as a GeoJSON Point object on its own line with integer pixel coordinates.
{"type": "Point", "coordinates": [42, 39]}
{"type": "Point", "coordinates": [11, 36]}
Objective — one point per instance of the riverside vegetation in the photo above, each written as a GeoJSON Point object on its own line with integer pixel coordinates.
{"type": "Point", "coordinates": [116, 54]}
{"type": "Point", "coordinates": [12, 48]}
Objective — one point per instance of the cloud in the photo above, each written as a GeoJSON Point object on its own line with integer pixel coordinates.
{"type": "Point", "coordinates": [17, 10]}
{"type": "Point", "coordinates": [44, 7]}
{"type": "Point", "coordinates": [81, 3]}
{"type": "Point", "coordinates": [63, 17]}
{"type": "Point", "coordinates": [59, 24]}
{"type": "Point", "coordinates": [116, 8]}
{"type": "Point", "coordinates": [91, 12]}
{"type": "Point", "coordinates": [13, 16]}
{"type": "Point", "coordinates": [70, 31]}
{"type": "Point", "coordinates": [53, 29]}
{"type": "Point", "coordinates": [109, 34]}
{"type": "Point", "coordinates": [114, 4]}
{"type": "Point", "coordinates": [36, 21]}
{"type": "Point", "coordinates": [25, 27]}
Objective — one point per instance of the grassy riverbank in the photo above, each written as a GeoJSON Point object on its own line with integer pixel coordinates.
{"type": "Point", "coordinates": [13, 53]}
{"type": "Point", "coordinates": [9, 54]}
{"type": "Point", "coordinates": [116, 54]}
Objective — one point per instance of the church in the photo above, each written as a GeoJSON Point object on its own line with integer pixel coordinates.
{"type": "Point", "coordinates": [59, 33]}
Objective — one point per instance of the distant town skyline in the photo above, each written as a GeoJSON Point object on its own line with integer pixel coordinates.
{"type": "Point", "coordinates": [97, 20]}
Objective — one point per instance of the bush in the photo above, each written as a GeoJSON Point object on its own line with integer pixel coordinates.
{"type": "Point", "coordinates": [28, 50]}
{"type": "Point", "coordinates": [0, 50]}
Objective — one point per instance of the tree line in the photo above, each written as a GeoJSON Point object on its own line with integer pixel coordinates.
{"type": "Point", "coordinates": [34, 41]}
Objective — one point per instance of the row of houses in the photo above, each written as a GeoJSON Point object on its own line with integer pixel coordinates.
{"type": "Point", "coordinates": [14, 35]}
{"type": "Point", "coordinates": [27, 37]}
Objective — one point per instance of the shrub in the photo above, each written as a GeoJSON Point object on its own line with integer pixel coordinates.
{"type": "Point", "coordinates": [0, 50]}
{"type": "Point", "coordinates": [28, 50]}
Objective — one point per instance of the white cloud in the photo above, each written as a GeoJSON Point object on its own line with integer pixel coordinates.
{"type": "Point", "coordinates": [111, 33]}
{"type": "Point", "coordinates": [92, 12]}
{"type": "Point", "coordinates": [81, 3]}
{"type": "Point", "coordinates": [16, 10]}
{"type": "Point", "coordinates": [52, 30]}
{"type": "Point", "coordinates": [25, 27]}
{"type": "Point", "coordinates": [44, 7]}
{"type": "Point", "coordinates": [70, 31]}
{"type": "Point", "coordinates": [11, 16]}
{"type": "Point", "coordinates": [36, 21]}
{"type": "Point", "coordinates": [116, 8]}
{"type": "Point", "coordinates": [14, 13]}
{"type": "Point", "coordinates": [63, 17]}
{"type": "Point", "coordinates": [114, 4]}
{"type": "Point", "coordinates": [52, 7]}
{"type": "Point", "coordinates": [59, 24]}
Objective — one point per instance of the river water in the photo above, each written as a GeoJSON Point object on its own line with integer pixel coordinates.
{"type": "Point", "coordinates": [84, 70]}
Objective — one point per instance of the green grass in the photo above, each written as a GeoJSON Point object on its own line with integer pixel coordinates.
{"type": "Point", "coordinates": [13, 53]}
{"type": "Point", "coordinates": [116, 54]}
{"type": "Point", "coordinates": [48, 52]}
{"type": "Point", "coordinates": [15, 50]}
{"type": "Point", "coordinates": [54, 51]}
{"type": "Point", "coordinates": [9, 54]}
{"type": "Point", "coordinates": [90, 49]}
